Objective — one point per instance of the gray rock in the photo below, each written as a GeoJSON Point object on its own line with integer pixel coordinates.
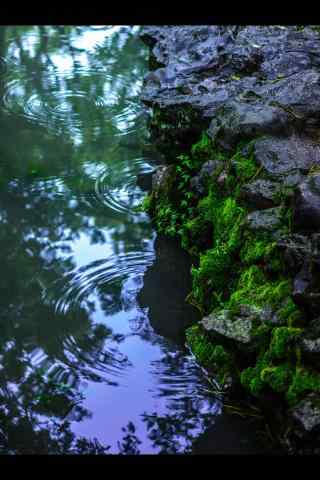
{"type": "Point", "coordinates": [281, 156]}
{"type": "Point", "coordinates": [307, 204]}
{"type": "Point", "coordinates": [268, 220]}
{"type": "Point", "coordinates": [240, 120]}
{"type": "Point", "coordinates": [209, 169]}
{"type": "Point", "coordinates": [296, 250]}
{"type": "Point", "coordinates": [260, 193]}
{"type": "Point", "coordinates": [310, 341]}
{"type": "Point", "coordinates": [306, 291]}
{"type": "Point", "coordinates": [249, 81]}
{"type": "Point", "coordinates": [240, 329]}
{"type": "Point", "coordinates": [162, 180]}
{"type": "Point", "coordinates": [307, 413]}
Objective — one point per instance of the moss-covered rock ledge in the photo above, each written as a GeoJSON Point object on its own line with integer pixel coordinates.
{"type": "Point", "coordinates": [235, 111]}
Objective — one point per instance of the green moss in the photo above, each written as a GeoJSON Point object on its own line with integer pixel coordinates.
{"type": "Point", "coordinates": [304, 380]}
{"type": "Point", "coordinates": [278, 378]}
{"type": "Point", "coordinates": [208, 354]}
{"type": "Point", "coordinates": [235, 267]}
{"type": "Point", "coordinates": [256, 250]}
{"type": "Point", "coordinates": [254, 288]}
{"type": "Point", "coordinates": [283, 377]}
{"type": "Point", "coordinates": [146, 204]}
{"type": "Point", "coordinates": [204, 149]}
{"type": "Point", "coordinates": [289, 312]}
{"type": "Point", "coordinates": [194, 234]}
{"type": "Point", "coordinates": [282, 339]}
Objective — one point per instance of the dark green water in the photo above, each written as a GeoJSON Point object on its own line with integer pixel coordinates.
{"type": "Point", "coordinates": [92, 308]}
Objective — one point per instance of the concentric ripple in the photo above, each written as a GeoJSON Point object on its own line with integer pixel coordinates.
{"type": "Point", "coordinates": [67, 104]}
{"type": "Point", "coordinates": [121, 193]}
{"type": "Point", "coordinates": [79, 284]}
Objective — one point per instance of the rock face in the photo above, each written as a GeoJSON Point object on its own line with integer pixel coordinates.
{"type": "Point", "coordinates": [209, 169]}
{"type": "Point", "coordinates": [307, 204]}
{"type": "Point", "coordinates": [310, 341]}
{"type": "Point", "coordinates": [307, 413]}
{"type": "Point", "coordinates": [260, 193]}
{"type": "Point", "coordinates": [243, 82]}
{"type": "Point", "coordinates": [265, 220]}
{"type": "Point", "coordinates": [259, 86]}
{"type": "Point", "coordinates": [162, 179]}
{"type": "Point", "coordinates": [240, 330]}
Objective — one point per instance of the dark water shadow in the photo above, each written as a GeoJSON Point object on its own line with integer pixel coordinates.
{"type": "Point", "coordinates": [166, 284]}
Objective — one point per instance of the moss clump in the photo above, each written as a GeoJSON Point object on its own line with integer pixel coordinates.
{"type": "Point", "coordinates": [204, 149]}
{"type": "Point", "coordinates": [208, 354]}
{"type": "Point", "coordinates": [283, 377]}
{"type": "Point", "coordinates": [245, 165]}
{"type": "Point", "coordinates": [257, 250]}
{"type": "Point", "coordinates": [235, 267]}
{"type": "Point", "coordinates": [195, 234]}
{"type": "Point", "coordinates": [282, 339]}
{"type": "Point", "coordinates": [304, 381]}
{"type": "Point", "coordinates": [289, 312]}
{"type": "Point", "coordinates": [215, 271]}
{"type": "Point", "coordinates": [254, 288]}
{"type": "Point", "coordinates": [146, 204]}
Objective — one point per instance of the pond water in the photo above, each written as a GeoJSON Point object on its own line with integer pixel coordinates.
{"type": "Point", "coordinates": [92, 310]}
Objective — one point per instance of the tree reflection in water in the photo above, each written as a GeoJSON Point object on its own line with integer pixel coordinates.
{"type": "Point", "coordinates": [56, 138]}
{"type": "Point", "coordinates": [75, 250]}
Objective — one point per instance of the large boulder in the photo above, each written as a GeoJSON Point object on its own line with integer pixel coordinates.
{"type": "Point", "coordinates": [247, 81]}
{"type": "Point", "coordinates": [287, 158]}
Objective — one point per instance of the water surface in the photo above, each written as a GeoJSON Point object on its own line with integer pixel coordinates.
{"type": "Point", "coordinates": [92, 311]}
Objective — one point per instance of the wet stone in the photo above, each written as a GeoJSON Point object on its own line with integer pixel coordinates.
{"type": "Point", "coordinates": [307, 204]}
{"type": "Point", "coordinates": [283, 156]}
{"type": "Point", "coordinates": [306, 291]}
{"type": "Point", "coordinates": [260, 194]}
{"type": "Point", "coordinates": [209, 169]}
{"type": "Point", "coordinates": [296, 249]}
{"type": "Point", "coordinates": [239, 329]}
{"type": "Point", "coordinates": [162, 180]}
{"type": "Point", "coordinates": [307, 413]}
{"type": "Point", "coordinates": [310, 341]}
{"type": "Point", "coordinates": [269, 220]}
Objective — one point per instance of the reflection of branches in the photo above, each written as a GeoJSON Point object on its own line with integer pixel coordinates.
{"type": "Point", "coordinates": [48, 343]}
{"type": "Point", "coordinates": [130, 441]}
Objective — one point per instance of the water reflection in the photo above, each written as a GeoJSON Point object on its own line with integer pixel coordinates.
{"type": "Point", "coordinates": [84, 368]}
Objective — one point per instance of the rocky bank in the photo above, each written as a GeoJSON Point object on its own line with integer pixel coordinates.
{"type": "Point", "coordinates": [235, 112]}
